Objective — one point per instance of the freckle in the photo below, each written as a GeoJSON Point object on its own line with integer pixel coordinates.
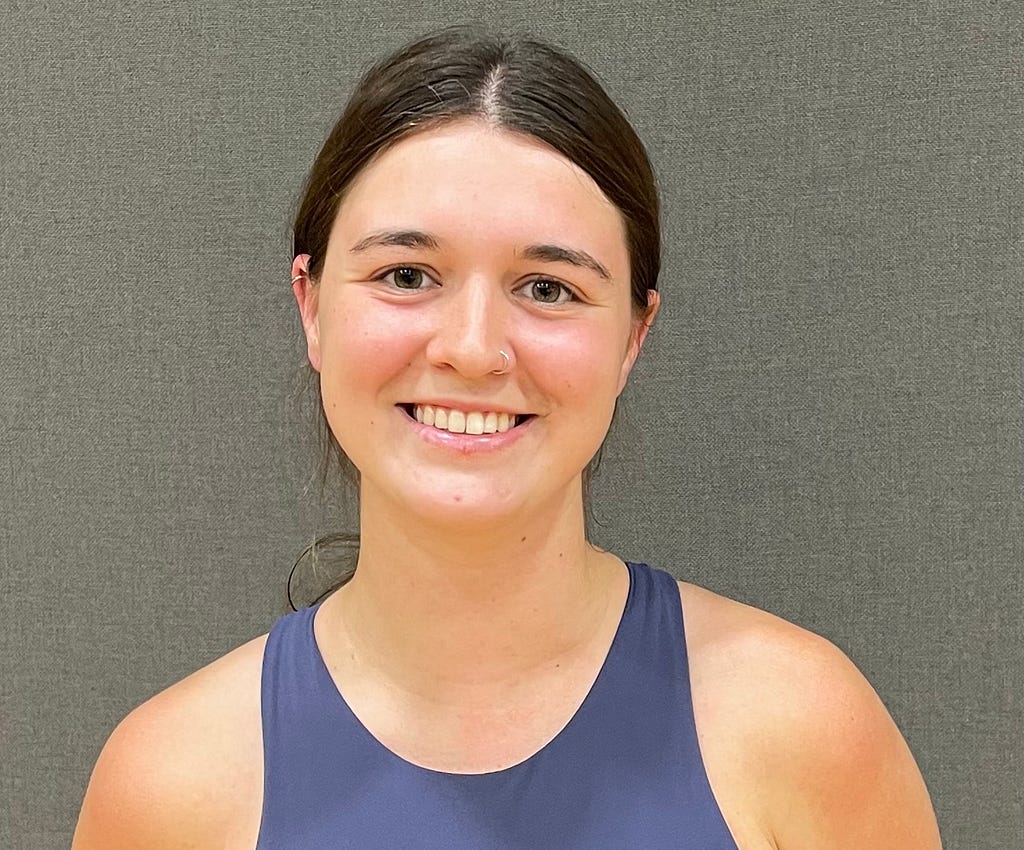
{"type": "Point", "coordinates": [523, 540]}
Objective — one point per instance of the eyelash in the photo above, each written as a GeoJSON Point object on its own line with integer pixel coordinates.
{"type": "Point", "coordinates": [564, 288]}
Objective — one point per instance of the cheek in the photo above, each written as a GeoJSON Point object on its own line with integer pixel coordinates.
{"type": "Point", "coordinates": [361, 353]}
{"type": "Point", "coordinates": [363, 347]}
{"type": "Point", "coordinates": [578, 365]}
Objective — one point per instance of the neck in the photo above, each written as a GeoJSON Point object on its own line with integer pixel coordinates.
{"type": "Point", "coordinates": [443, 612]}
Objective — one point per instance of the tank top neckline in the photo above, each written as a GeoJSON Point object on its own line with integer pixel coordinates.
{"type": "Point", "coordinates": [327, 683]}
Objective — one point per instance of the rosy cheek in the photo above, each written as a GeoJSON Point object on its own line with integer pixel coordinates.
{"type": "Point", "coordinates": [371, 341]}
{"type": "Point", "coordinates": [574, 358]}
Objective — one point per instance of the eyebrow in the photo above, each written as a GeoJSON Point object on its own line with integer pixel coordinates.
{"type": "Point", "coordinates": [558, 254]}
{"type": "Point", "coordinates": [400, 238]}
{"type": "Point", "coordinates": [543, 253]}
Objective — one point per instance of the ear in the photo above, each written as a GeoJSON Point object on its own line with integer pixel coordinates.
{"type": "Point", "coordinates": [638, 333]}
{"type": "Point", "coordinates": [307, 294]}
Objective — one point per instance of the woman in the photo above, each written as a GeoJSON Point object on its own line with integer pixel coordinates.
{"type": "Point", "coordinates": [476, 262]}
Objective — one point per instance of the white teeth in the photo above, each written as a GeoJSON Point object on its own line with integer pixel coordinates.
{"type": "Point", "coordinates": [461, 422]}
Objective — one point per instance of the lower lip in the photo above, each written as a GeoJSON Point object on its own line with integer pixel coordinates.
{"type": "Point", "coordinates": [467, 443]}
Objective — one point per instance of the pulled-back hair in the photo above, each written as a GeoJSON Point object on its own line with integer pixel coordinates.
{"type": "Point", "coordinates": [513, 82]}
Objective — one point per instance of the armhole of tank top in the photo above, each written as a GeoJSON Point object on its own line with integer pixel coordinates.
{"type": "Point", "coordinates": [693, 714]}
{"type": "Point", "coordinates": [683, 662]}
{"type": "Point", "coordinates": [266, 681]}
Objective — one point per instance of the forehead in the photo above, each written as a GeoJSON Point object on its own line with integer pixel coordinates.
{"type": "Point", "coordinates": [467, 180]}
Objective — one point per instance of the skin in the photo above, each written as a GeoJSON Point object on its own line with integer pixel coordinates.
{"type": "Point", "coordinates": [486, 551]}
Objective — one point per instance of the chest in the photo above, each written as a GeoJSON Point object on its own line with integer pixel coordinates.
{"type": "Point", "coordinates": [476, 731]}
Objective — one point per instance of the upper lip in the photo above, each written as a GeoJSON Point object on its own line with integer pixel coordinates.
{"type": "Point", "coordinates": [471, 406]}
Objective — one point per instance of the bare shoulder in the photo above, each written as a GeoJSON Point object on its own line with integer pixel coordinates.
{"type": "Point", "coordinates": [796, 741]}
{"type": "Point", "coordinates": [185, 768]}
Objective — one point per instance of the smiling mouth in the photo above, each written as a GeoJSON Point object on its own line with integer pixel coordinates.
{"type": "Point", "coordinates": [464, 422]}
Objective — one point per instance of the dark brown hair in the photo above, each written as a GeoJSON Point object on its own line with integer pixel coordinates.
{"type": "Point", "coordinates": [513, 82]}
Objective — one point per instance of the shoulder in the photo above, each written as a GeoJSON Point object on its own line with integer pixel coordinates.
{"type": "Point", "coordinates": [823, 763]}
{"type": "Point", "coordinates": [184, 769]}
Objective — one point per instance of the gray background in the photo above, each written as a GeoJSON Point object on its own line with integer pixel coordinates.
{"type": "Point", "coordinates": [827, 422]}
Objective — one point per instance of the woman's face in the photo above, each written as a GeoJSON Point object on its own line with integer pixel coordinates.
{"type": "Point", "coordinates": [453, 245]}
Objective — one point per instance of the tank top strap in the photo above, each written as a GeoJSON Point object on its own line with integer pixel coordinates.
{"type": "Point", "coordinates": [649, 681]}
{"type": "Point", "coordinates": [304, 735]}
{"type": "Point", "coordinates": [647, 664]}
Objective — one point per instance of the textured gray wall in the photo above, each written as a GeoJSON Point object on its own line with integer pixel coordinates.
{"type": "Point", "coordinates": [827, 423]}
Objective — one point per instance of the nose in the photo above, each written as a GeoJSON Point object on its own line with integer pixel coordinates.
{"type": "Point", "coordinates": [471, 328]}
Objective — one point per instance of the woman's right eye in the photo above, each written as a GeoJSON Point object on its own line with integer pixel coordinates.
{"type": "Point", "coordinates": [405, 277]}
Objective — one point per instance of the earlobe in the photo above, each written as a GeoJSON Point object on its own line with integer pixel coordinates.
{"type": "Point", "coordinates": [307, 297]}
{"type": "Point", "coordinates": [653, 305]}
{"type": "Point", "coordinates": [638, 335]}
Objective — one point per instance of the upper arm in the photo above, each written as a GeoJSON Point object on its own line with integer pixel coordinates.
{"type": "Point", "coordinates": [798, 746]}
{"type": "Point", "coordinates": [847, 777]}
{"type": "Point", "coordinates": [138, 795]}
{"type": "Point", "coordinates": [184, 769]}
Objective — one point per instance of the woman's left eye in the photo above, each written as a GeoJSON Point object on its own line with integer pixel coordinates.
{"type": "Point", "coordinates": [548, 291]}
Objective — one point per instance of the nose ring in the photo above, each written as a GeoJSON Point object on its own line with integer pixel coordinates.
{"type": "Point", "coordinates": [508, 363]}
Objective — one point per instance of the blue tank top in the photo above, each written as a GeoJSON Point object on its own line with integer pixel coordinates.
{"type": "Point", "coordinates": [625, 772]}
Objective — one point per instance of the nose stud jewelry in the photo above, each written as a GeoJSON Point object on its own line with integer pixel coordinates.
{"type": "Point", "coordinates": [508, 363]}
